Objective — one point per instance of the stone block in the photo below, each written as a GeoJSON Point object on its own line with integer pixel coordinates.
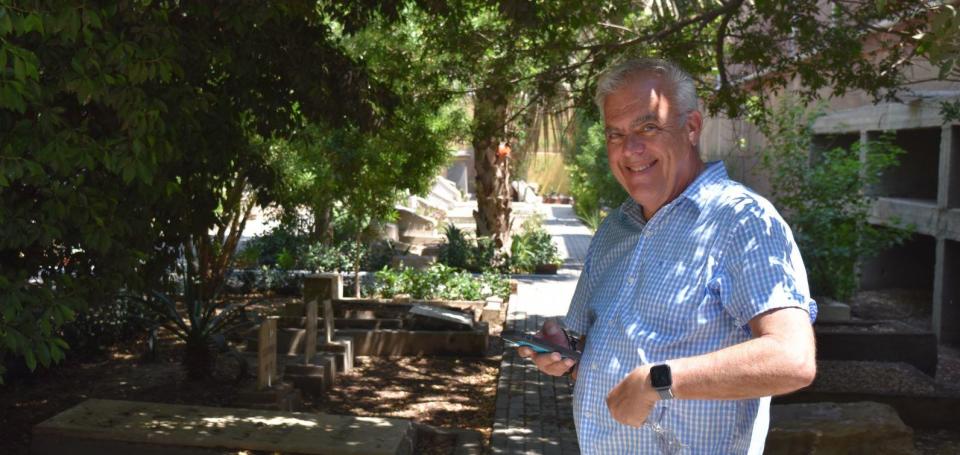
{"type": "Point", "coordinates": [267, 353]}
{"type": "Point", "coordinates": [315, 378]}
{"type": "Point", "coordinates": [437, 318]}
{"type": "Point", "coordinates": [838, 428]}
{"type": "Point", "coordinates": [96, 427]}
{"type": "Point", "coordinates": [492, 310]}
{"type": "Point", "coordinates": [322, 286]}
{"type": "Point", "coordinates": [832, 311]}
{"type": "Point", "coordinates": [389, 343]}
{"type": "Point", "coordinates": [343, 349]}
{"type": "Point", "coordinates": [281, 396]}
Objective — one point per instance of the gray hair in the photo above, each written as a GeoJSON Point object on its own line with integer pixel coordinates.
{"type": "Point", "coordinates": [684, 91]}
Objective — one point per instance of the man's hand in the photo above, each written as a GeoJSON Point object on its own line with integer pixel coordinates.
{"type": "Point", "coordinates": [551, 363]}
{"type": "Point", "coordinates": [631, 401]}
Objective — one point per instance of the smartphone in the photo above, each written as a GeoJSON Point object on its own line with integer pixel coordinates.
{"type": "Point", "coordinates": [539, 345]}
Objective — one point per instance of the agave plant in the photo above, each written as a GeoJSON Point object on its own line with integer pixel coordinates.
{"type": "Point", "coordinates": [201, 320]}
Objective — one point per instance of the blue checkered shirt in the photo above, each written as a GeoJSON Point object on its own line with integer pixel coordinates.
{"type": "Point", "coordinates": [682, 284]}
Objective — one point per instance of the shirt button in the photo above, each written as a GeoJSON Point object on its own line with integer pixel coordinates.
{"type": "Point", "coordinates": [630, 279]}
{"type": "Point", "coordinates": [593, 366]}
{"type": "Point", "coordinates": [588, 414]}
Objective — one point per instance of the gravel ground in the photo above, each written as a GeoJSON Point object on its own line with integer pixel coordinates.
{"type": "Point", "coordinates": [870, 377]}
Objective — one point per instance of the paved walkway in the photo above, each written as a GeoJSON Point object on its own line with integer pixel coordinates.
{"type": "Point", "coordinates": [534, 411]}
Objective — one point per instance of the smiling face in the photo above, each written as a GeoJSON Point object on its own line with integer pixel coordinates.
{"type": "Point", "coordinates": [650, 143]}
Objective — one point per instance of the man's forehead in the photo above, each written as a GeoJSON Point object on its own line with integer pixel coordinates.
{"type": "Point", "coordinates": [642, 98]}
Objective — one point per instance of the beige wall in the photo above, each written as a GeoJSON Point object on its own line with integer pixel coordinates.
{"type": "Point", "coordinates": [738, 143]}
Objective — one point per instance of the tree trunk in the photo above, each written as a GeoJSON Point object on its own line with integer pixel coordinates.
{"type": "Point", "coordinates": [356, 265]}
{"type": "Point", "coordinates": [323, 224]}
{"type": "Point", "coordinates": [493, 172]}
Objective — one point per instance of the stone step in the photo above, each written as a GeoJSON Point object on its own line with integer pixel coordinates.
{"type": "Point", "coordinates": [840, 428]}
{"type": "Point", "coordinates": [95, 427]}
{"type": "Point", "coordinates": [290, 342]}
{"type": "Point", "coordinates": [422, 238]}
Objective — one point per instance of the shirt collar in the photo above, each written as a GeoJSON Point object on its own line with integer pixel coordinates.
{"type": "Point", "coordinates": [698, 192]}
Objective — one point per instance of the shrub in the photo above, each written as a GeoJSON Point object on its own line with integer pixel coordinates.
{"type": "Point", "coordinates": [592, 185]}
{"type": "Point", "coordinates": [822, 198]}
{"type": "Point", "coordinates": [464, 253]}
{"type": "Point", "coordinates": [532, 247]}
{"type": "Point", "coordinates": [99, 327]}
{"type": "Point", "coordinates": [284, 249]}
{"type": "Point", "coordinates": [440, 282]}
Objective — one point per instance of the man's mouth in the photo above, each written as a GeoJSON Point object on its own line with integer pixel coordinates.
{"type": "Point", "coordinates": [637, 168]}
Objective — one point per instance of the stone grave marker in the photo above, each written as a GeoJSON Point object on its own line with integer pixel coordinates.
{"type": "Point", "coordinates": [328, 320]}
{"type": "Point", "coordinates": [267, 353]}
{"type": "Point", "coordinates": [443, 317]}
{"type": "Point", "coordinates": [322, 286]}
{"type": "Point", "coordinates": [310, 346]}
{"type": "Point", "coordinates": [95, 427]}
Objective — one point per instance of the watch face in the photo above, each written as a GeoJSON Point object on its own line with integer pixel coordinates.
{"type": "Point", "coordinates": [660, 376]}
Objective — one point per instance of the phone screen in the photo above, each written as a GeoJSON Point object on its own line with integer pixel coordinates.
{"type": "Point", "coordinates": [537, 344]}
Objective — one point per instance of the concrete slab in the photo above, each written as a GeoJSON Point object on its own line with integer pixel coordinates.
{"type": "Point", "coordinates": [444, 316]}
{"type": "Point", "coordinates": [103, 426]}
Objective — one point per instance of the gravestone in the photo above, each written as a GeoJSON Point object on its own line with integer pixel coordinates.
{"type": "Point", "coordinates": [267, 353]}
{"type": "Point", "coordinates": [317, 372]}
{"type": "Point", "coordinates": [341, 346]}
{"type": "Point", "coordinates": [310, 346]}
{"type": "Point", "coordinates": [436, 318]}
{"type": "Point", "coordinates": [328, 321]}
{"type": "Point", "coordinates": [268, 392]}
{"type": "Point", "coordinates": [97, 427]}
{"type": "Point", "coordinates": [322, 286]}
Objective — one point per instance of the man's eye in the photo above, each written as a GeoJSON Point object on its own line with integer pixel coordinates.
{"type": "Point", "coordinates": [649, 129]}
{"type": "Point", "coordinates": [614, 137]}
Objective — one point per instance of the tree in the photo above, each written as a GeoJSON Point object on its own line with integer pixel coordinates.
{"type": "Point", "coordinates": [515, 56]}
{"type": "Point", "coordinates": [125, 128]}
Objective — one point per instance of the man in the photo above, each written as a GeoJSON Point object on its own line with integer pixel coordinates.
{"type": "Point", "coordinates": [693, 302]}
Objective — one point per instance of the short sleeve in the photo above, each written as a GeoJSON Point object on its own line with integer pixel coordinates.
{"type": "Point", "coordinates": [762, 267]}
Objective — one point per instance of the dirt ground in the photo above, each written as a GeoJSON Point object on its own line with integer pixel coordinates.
{"type": "Point", "coordinates": [439, 391]}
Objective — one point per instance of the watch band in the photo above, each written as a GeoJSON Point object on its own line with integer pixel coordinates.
{"type": "Point", "coordinates": [665, 393]}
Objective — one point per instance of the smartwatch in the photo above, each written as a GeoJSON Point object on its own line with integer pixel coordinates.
{"type": "Point", "coordinates": [662, 381]}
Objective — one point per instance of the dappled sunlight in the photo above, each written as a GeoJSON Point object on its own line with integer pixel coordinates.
{"type": "Point", "coordinates": [439, 391]}
{"type": "Point", "coordinates": [223, 422]}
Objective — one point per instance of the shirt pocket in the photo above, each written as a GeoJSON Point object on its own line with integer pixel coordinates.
{"type": "Point", "coordinates": [668, 298]}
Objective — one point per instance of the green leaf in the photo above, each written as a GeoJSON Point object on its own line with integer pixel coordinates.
{"type": "Point", "coordinates": [91, 19]}
{"type": "Point", "coordinates": [33, 23]}
{"type": "Point", "coordinates": [19, 71]}
{"type": "Point", "coordinates": [43, 353]}
{"type": "Point", "coordinates": [31, 359]}
{"type": "Point", "coordinates": [6, 26]}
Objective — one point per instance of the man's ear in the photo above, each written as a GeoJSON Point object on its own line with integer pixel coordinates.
{"type": "Point", "coordinates": [694, 127]}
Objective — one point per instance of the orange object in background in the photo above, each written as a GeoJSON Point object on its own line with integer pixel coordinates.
{"type": "Point", "coordinates": [503, 150]}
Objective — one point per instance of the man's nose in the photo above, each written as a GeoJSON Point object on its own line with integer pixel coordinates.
{"type": "Point", "coordinates": [633, 144]}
